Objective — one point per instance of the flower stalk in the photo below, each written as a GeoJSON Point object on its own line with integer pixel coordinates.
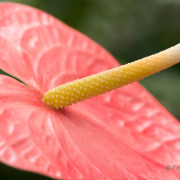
{"type": "Point", "coordinates": [97, 84]}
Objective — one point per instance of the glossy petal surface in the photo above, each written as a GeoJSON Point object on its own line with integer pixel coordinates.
{"type": "Point", "coordinates": [50, 52]}
{"type": "Point", "coordinates": [64, 143]}
{"type": "Point", "coordinates": [124, 134]}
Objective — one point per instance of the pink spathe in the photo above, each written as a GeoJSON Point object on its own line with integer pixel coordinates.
{"type": "Point", "coordinates": [125, 134]}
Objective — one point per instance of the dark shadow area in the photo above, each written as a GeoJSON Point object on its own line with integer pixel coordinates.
{"type": "Point", "coordinates": [9, 173]}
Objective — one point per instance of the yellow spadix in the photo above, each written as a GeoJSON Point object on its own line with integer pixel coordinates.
{"type": "Point", "coordinates": [94, 85]}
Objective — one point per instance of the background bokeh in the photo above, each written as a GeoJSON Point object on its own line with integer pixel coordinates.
{"type": "Point", "coordinates": [130, 30]}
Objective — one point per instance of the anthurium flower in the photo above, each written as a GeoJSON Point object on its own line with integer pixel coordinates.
{"type": "Point", "coordinates": [124, 134]}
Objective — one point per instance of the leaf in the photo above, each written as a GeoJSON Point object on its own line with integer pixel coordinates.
{"type": "Point", "coordinates": [124, 134]}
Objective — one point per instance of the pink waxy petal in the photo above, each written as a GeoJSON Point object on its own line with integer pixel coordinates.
{"type": "Point", "coordinates": [124, 134]}
{"type": "Point", "coordinates": [147, 127]}
{"type": "Point", "coordinates": [63, 144]}
{"type": "Point", "coordinates": [46, 48]}
{"type": "Point", "coordinates": [17, 103]}
{"type": "Point", "coordinates": [27, 138]}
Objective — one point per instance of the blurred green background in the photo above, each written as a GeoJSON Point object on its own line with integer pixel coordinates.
{"type": "Point", "coordinates": [130, 30]}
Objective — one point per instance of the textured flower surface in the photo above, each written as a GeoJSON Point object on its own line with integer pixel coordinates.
{"type": "Point", "coordinates": [125, 134]}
